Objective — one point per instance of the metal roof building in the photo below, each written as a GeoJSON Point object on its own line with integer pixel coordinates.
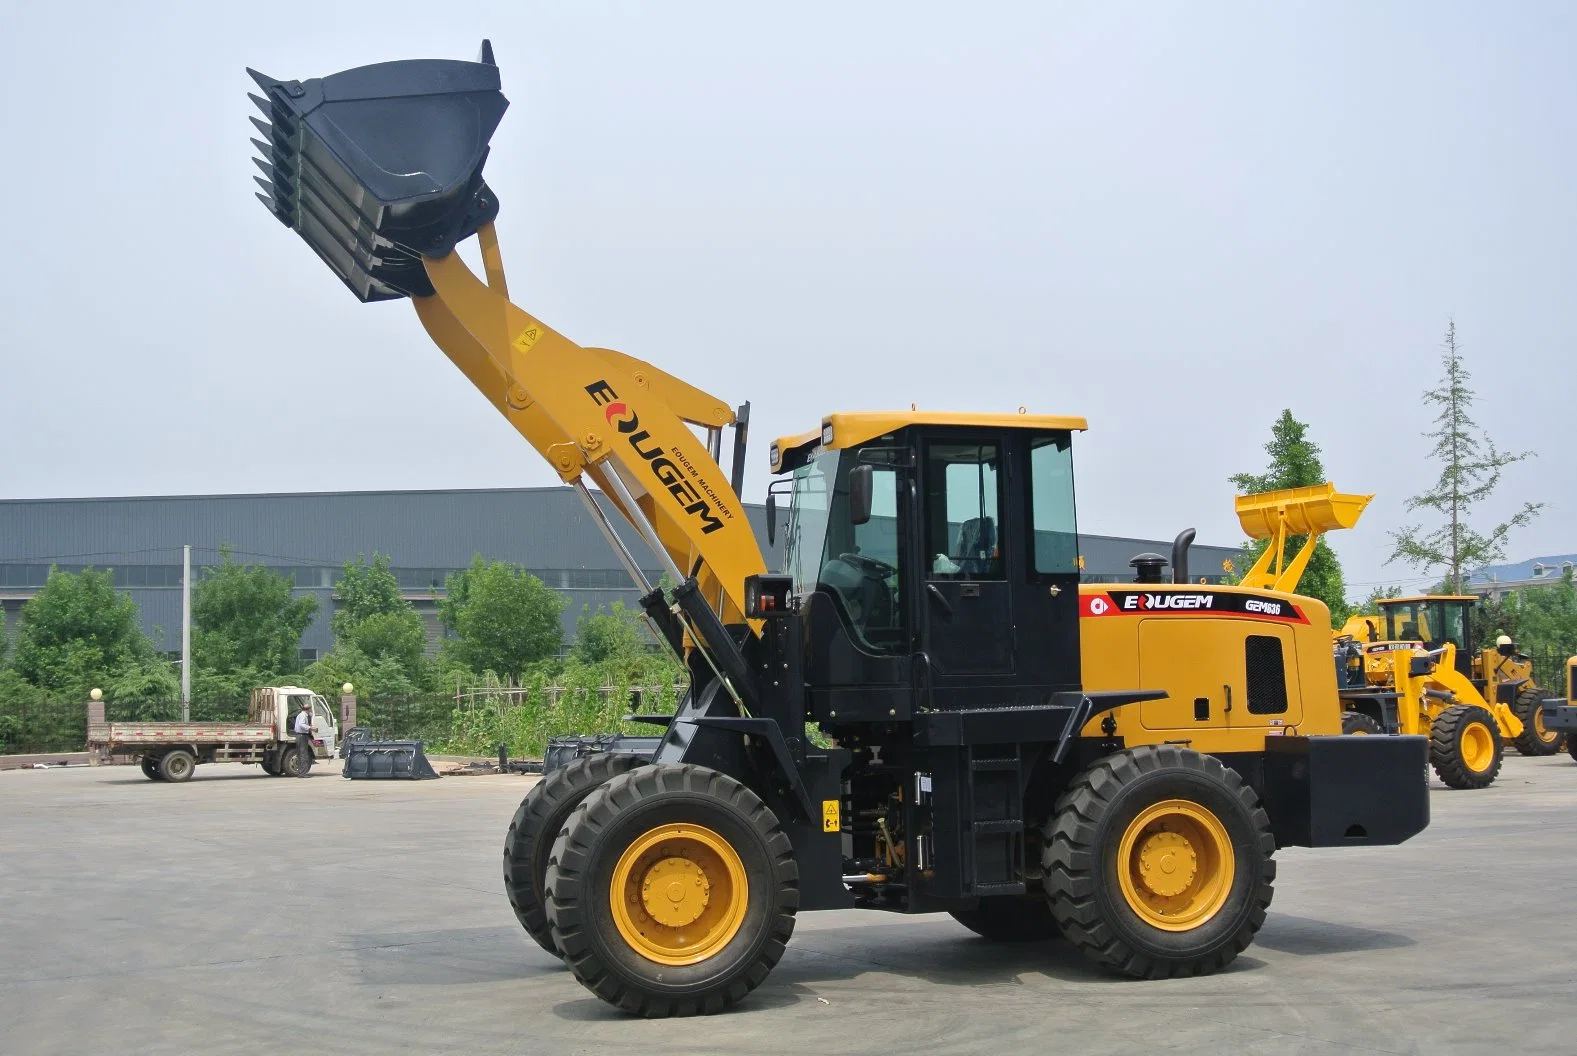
{"type": "Point", "coordinates": [426, 535]}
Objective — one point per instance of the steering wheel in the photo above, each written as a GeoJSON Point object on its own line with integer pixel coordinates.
{"type": "Point", "coordinates": [869, 565]}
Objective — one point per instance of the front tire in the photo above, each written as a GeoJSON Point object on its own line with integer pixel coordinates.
{"type": "Point", "coordinates": [1534, 739]}
{"type": "Point", "coordinates": [672, 891]}
{"type": "Point", "coordinates": [1465, 746]}
{"type": "Point", "coordinates": [538, 822]}
{"type": "Point", "coordinates": [1158, 863]}
{"type": "Point", "coordinates": [1010, 919]}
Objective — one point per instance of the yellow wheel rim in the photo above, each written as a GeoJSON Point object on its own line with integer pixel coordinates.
{"type": "Point", "coordinates": [1175, 865]}
{"type": "Point", "coordinates": [1539, 729]}
{"type": "Point", "coordinates": [679, 894]}
{"type": "Point", "coordinates": [1478, 747]}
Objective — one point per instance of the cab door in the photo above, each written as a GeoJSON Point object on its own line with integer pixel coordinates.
{"type": "Point", "coordinates": [966, 597]}
{"type": "Point", "coordinates": [326, 730]}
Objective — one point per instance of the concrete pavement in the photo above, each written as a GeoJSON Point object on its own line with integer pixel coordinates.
{"type": "Point", "coordinates": [238, 913]}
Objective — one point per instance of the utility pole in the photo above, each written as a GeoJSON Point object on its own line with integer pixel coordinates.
{"type": "Point", "coordinates": [186, 633]}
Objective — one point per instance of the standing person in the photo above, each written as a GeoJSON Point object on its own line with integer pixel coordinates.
{"type": "Point", "coordinates": [303, 731]}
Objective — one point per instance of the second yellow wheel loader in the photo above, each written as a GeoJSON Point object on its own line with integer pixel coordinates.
{"type": "Point", "coordinates": [1116, 763]}
{"type": "Point", "coordinates": [1415, 669]}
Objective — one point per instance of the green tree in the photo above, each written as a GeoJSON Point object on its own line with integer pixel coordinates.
{"type": "Point", "coordinates": [1370, 606]}
{"type": "Point", "coordinates": [501, 617]}
{"type": "Point", "coordinates": [613, 636]}
{"type": "Point", "coordinates": [247, 621]}
{"type": "Point", "coordinates": [1541, 619]}
{"type": "Point", "coordinates": [374, 677]}
{"type": "Point", "coordinates": [375, 618]}
{"type": "Point", "coordinates": [1295, 463]}
{"type": "Point", "coordinates": [78, 632]}
{"type": "Point", "coordinates": [1470, 470]}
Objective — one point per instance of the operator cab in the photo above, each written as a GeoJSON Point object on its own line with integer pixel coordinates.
{"type": "Point", "coordinates": [934, 560]}
{"type": "Point", "coordinates": [1434, 620]}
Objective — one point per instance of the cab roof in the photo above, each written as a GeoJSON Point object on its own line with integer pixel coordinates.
{"type": "Point", "coordinates": [851, 429]}
{"type": "Point", "coordinates": [1428, 597]}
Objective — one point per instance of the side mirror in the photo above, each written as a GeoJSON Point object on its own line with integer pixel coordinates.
{"type": "Point", "coordinates": [860, 491]}
{"type": "Point", "coordinates": [772, 518]}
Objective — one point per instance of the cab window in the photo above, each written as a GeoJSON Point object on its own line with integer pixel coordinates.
{"type": "Point", "coordinates": [1056, 538]}
{"type": "Point", "coordinates": [962, 502]}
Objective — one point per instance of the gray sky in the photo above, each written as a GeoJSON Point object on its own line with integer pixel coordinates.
{"type": "Point", "coordinates": [1175, 219]}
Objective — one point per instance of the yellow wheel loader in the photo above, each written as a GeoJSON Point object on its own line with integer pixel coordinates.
{"type": "Point", "coordinates": [1414, 670]}
{"type": "Point", "coordinates": [1117, 763]}
{"type": "Point", "coordinates": [1559, 715]}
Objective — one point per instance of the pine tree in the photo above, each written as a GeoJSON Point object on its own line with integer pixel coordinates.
{"type": "Point", "coordinates": [1470, 468]}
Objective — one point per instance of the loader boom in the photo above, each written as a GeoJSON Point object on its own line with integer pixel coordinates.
{"type": "Point", "coordinates": [379, 170]}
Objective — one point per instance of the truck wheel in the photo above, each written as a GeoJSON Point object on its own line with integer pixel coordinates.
{"type": "Point", "coordinates": [672, 891]}
{"type": "Point", "coordinates": [537, 823]}
{"type": "Point", "coordinates": [1010, 919]}
{"type": "Point", "coordinates": [177, 765]}
{"type": "Point", "coordinates": [270, 764]}
{"type": "Point", "coordinates": [1571, 747]}
{"type": "Point", "coordinates": [1356, 722]}
{"type": "Point", "coordinates": [290, 764]}
{"type": "Point", "coordinates": [1465, 747]}
{"type": "Point", "coordinates": [150, 768]}
{"type": "Point", "coordinates": [1158, 863]}
{"type": "Point", "coordinates": [1535, 739]}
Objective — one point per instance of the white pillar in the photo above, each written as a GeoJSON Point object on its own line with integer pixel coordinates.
{"type": "Point", "coordinates": [186, 633]}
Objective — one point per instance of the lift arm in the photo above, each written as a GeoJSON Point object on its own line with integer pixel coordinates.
{"type": "Point", "coordinates": [379, 170]}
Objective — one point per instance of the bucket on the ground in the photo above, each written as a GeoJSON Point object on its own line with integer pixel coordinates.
{"type": "Point", "coordinates": [387, 760]}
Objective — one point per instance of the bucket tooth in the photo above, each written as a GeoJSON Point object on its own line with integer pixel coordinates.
{"type": "Point", "coordinates": [261, 103]}
{"type": "Point", "coordinates": [262, 126]}
{"type": "Point", "coordinates": [263, 80]}
{"type": "Point", "coordinates": [486, 53]}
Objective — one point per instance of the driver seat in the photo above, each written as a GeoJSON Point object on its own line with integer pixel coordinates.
{"type": "Point", "coordinates": [976, 549]}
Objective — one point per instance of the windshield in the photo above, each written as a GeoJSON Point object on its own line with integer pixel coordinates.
{"type": "Point", "coordinates": [858, 565]}
{"type": "Point", "coordinates": [1431, 622]}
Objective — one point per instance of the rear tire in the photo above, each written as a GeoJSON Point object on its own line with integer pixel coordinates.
{"type": "Point", "coordinates": [672, 891]}
{"type": "Point", "coordinates": [1010, 919]}
{"type": "Point", "coordinates": [1534, 738]}
{"type": "Point", "coordinates": [1465, 746]}
{"type": "Point", "coordinates": [1571, 747]}
{"type": "Point", "coordinates": [1356, 722]}
{"type": "Point", "coordinates": [538, 822]}
{"type": "Point", "coordinates": [177, 765]}
{"type": "Point", "coordinates": [150, 768]}
{"type": "Point", "coordinates": [1158, 863]}
{"type": "Point", "coordinates": [290, 763]}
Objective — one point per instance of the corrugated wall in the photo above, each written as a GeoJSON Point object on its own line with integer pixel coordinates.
{"type": "Point", "coordinates": [540, 528]}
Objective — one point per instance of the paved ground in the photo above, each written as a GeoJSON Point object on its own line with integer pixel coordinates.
{"type": "Point", "coordinates": [240, 913]}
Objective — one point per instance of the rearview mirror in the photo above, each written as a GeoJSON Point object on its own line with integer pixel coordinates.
{"type": "Point", "coordinates": [772, 518]}
{"type": "Point", "coordinates": [860, 485]}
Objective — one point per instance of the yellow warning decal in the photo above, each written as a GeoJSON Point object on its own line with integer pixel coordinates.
{"type": "Point", "coordinates": [829, 816]}
{"type": "Point", "coordinates": [527, 337]}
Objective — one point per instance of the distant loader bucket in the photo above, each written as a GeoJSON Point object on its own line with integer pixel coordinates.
{"type": "Point", "coordinates": [1276, 515]}
{"type": "Point", "coordinates": [381, 165]}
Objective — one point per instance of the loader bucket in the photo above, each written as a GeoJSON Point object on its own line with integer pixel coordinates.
{"type": "Point", "coordinates": [379, 166]}
{"type": "Point", "coordinates": [1307, 510]}
{"type": "Point", "coordinates": [386, 760]}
